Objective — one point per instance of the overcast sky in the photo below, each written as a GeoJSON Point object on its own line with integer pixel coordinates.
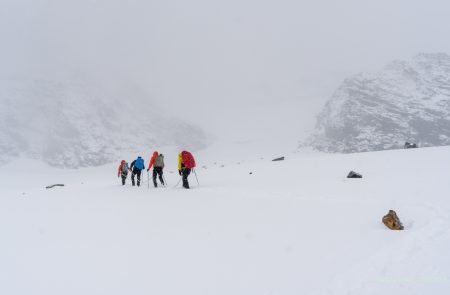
{"type": "Point", "coordinates": [208, 60]}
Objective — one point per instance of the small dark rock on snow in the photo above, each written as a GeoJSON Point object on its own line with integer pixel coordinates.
{"type": "Point", "coordinates": [353, 174]}
{"type": "Point", "coordinates": [409, 145]}
{"type": "Point", "coordinates": [53, 185]}
{"type": "Point", "coordinates": [278, 159]}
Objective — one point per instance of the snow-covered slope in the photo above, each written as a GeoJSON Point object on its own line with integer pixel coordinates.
{"type": "Point", "coordinates": [292, 227]}
{"type": "Point", "coordinates": [406, 101]}
{"type": "Point", "coordinates": [78, 123]}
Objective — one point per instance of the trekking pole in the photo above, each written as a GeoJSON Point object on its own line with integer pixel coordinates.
{"type": "Point", "coordinates": [178, 182]}
{"type": "Point", "coordinates": [148, 180]}
{"type": "Point", "coordinates": [195, 173]}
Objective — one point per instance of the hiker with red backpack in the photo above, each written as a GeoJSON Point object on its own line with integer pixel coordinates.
{"type": "Point", "coordinates": [157, 161]}
{"type": "Point", "coordinates": [123, 171]}
{"type": "Point", "coordinates": [136, 168]}
{"type": "Point", "coordinates": [186, 163]}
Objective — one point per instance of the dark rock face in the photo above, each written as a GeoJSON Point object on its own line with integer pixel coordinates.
{"type": "Point", "coordinates": [404, 102]}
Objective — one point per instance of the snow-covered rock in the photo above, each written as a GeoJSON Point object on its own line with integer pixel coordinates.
{"type": "Point", "coordinates": [78, 123]}
{"type": "Point", "coordinates": [406, 101]}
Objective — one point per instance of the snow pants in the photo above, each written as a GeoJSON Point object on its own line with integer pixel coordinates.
{"type": "Point", "coordinates": [158, 171]}
{"type": "Point", "coordinates": [138, 173]}
{"type": "Point", "coordinates": [124, 177]}
{"type": "Point", "coordinates": [185, 173]}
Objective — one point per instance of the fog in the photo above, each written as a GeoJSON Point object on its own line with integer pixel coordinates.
{"type": "Point", "coordinates": [239, 69]}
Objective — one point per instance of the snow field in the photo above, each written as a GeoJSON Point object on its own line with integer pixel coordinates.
{"type": "Point", "coordinates": [292, 227]}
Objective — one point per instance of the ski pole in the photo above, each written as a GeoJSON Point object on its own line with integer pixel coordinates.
{"type": "Point", "coordinates": [148, 180]}
{"type": "Point", "coordinates": [165, 181]}
{"type": "Point", "coordinates": [195, 173]}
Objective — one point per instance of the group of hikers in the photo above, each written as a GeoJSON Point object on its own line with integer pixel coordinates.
{"type": "Point", "coordinates": [186, 163]}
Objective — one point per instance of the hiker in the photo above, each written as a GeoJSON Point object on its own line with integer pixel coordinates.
{"type": "Point", "coordinates": [136, 167]}
{"type": "Point", "coordinates": [157, 161]}
{"type": "Point", "coordinates": [123, 171]}
{"type": "Point", "coordinates": [185, 163]}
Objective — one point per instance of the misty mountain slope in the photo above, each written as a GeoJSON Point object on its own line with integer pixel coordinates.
{"type": "Point", "coordinates": [80, 124]}
{"type": "Point", "coordinates": [406, 101]}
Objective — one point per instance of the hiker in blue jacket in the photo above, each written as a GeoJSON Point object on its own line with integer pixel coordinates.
{"type": "Point", "coordinates": [136, 167]}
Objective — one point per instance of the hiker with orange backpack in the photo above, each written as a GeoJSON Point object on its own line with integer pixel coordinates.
{"type": "Point", "coordinates": [186, 163]}
{"type": "Point", "coordinates": [157, 161]}
{"type": "Point", "coordinates": [123, 171]}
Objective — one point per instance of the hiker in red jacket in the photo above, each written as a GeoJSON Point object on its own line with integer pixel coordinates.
{"type": "Point", "coordinates": [157, 161]}
{"type": "Point", "coordinates": [123, 171]}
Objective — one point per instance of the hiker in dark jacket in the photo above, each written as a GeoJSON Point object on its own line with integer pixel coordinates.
{"type": "Point", "coordinates": [123, 171]}
{"type": "Point", "coordinates": [157, 161]}
{"type": "Point", "coordinates": [136, 167]}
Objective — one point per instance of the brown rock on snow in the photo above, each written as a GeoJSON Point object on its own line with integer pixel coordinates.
{"type": "Point", "coordinates": [392, 221]}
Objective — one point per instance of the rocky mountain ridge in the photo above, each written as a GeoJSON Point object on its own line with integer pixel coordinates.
{"type": "Point", "coordinates": [405, 101]}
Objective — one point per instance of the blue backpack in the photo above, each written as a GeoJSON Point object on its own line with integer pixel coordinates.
{"type": "Point", "coordinates": [139, 164]}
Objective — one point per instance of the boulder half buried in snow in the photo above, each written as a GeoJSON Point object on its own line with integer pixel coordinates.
{"type": "Point", "coordinates": [353, 174]}
{"type": "Point", "coordinates": [392, 221]}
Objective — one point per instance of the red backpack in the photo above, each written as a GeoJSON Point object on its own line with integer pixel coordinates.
{"type": "Point", "coordinates": [188, 159]}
